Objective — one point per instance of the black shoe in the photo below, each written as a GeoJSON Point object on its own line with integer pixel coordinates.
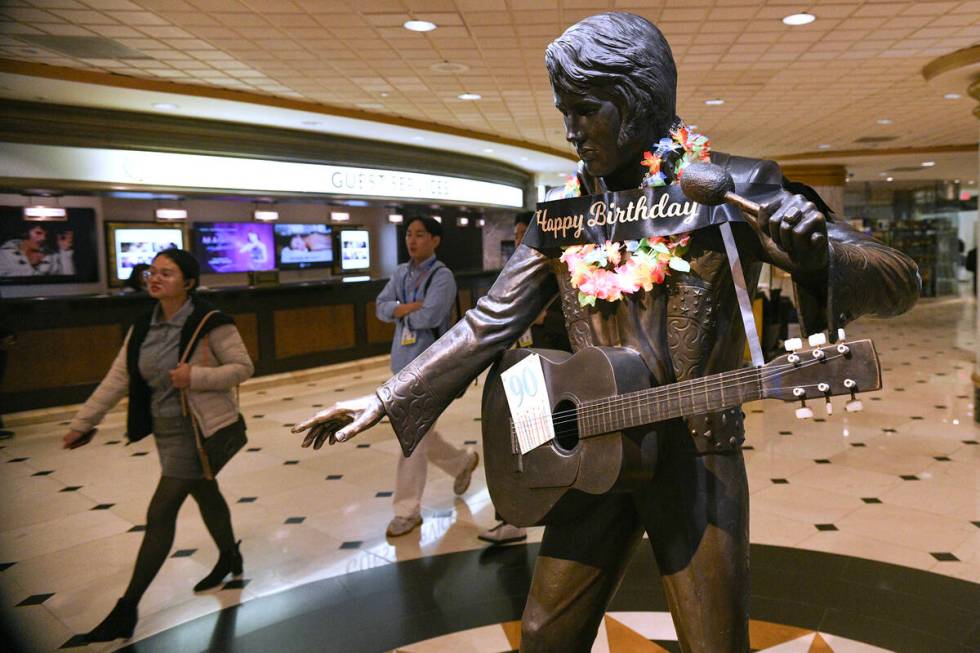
{"type": "Point", "coordinates": [121, 622]}
{"type": "Point", "coordinates": [229, 562]}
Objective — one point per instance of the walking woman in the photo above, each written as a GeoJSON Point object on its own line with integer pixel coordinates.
{"type": "Point", "coordinates": [171, 398]}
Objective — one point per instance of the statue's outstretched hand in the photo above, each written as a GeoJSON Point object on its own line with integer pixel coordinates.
{"type": "Point", "coordinates": [342, 421]}
{"type": "Point", "coordinates": [794, 234]}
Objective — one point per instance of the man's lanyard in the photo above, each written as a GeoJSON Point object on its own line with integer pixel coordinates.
{"type": "Point", "coordinates": [418, 282]}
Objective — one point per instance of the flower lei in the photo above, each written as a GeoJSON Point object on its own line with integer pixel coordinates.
{"type": "Point", "coordinates": [613, 269]}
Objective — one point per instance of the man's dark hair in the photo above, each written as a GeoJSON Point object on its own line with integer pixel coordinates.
{"type": "Point", "coordinates": [623, 57]}
{"type": "Point", "coordinates": [433, 226]}
{"type": "Point", "coordinates": [524, 217]}
{"type": "Point", "coordinates": [189, 267]}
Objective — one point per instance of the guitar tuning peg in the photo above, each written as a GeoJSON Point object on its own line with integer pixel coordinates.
{"type": "Point", "coordinates": [804, 413]}
{"type": "Point", "coordinates": [817, 339]}
{"type": "Point", "coordinates": [793, 344]}
{"type": "Point", "coordinates": [854, 405]}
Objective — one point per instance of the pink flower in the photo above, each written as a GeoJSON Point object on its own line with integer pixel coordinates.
{"type": "Point", "coordinates": [601, 284]}
{"type": "Point", "coordinates": [613, 252]}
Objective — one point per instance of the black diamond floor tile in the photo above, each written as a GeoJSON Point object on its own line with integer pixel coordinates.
{"type": "Point", "coordinates": [247, 500]}
{"type": "Point", "coordinates": [363, 446]}
{"type": "Point", "coordinates": [295, 520]}
{"type": "Point", "coordinates": [4, 566]}
{"type": "Point", "coordinates": [139, 528]}
{"type": "Point", "coordinates": [35, 599]}
{"type": "Point", "coordinates": [17, 460]}
{"type": "Point", "coordinates": [826, 527]}
{"type": "Point", "coordinates": [253, 449]}
{"type": "Point", "coordinates": [780, 481]}
{"type": "Point", "coordinates": [942, 459]}
{"type": "Point", "coordinates": [109, 442]}
{"type": "Point", "coordinates": [183, 553]}
{"type": "Point", "coordinates": [382, 495]}
{"type": "Point", "coordinates": [469, 442]}
{"type": "Point", "coordinates": [785, 433]}
{"type": "Point", "coordinates": [141, 453]}
{"type": "Point", "coordinates": [871, 499]}
{"type": "Point", "coordinates": [858, 444]}
{"type": "Point", "coordinates": [909, 477]}
{"type": "Point", "coordinates": [289, 424]}
{"type": "Point", "coordinates": [257, 416]}
{"type": "Point", "coordinates": [969, 441]}
{"type": "Point", "coordinates": [291, 462]}
{"type": "Point", "coordinates": [43, 473]}
{"type": "Point", "coordinates": [353, 544]}
{"type": "Point", "coordinates": [944, 556]}
{"type": "Point", "coordinates": [334, 477]}
{"type": "Point", "coordinates": [103, 506]}
{"type": "Point", "coordinates": [822, 461]}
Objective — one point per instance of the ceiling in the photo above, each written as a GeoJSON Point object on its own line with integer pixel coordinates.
{"type": "Point", "coordinates": [811, 89]}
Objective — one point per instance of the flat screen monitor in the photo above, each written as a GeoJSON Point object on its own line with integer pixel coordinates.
{"type": "Point", "coordinates": [222, 247]}
{"type": "Point", "coordinates": [62, 251]}
{"type": "Point", "coordinates": [355, 250]}
{"type": "Point", "coordinates": [301, 246]}
{"type": "Point", "coordinates": [132, 243]}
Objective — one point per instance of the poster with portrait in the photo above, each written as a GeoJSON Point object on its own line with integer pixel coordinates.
{"type": "Point", "coordinates": [62, 251]}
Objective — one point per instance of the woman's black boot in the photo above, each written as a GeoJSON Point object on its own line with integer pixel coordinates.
{"type": "Point", "coordinates": [121, 622]}
{"type": "Point", "coordinates": [229, 562]}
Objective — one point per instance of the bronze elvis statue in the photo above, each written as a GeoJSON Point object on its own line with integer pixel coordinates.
{"type": "Point", "coordinates": [614, 82]}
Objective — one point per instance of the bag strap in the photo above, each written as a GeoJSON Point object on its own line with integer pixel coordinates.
{"type": "Point", "coordinates": [193, 340]}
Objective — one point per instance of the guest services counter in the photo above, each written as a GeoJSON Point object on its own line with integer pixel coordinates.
{"type": "Point", "coordinates": [65, 345]}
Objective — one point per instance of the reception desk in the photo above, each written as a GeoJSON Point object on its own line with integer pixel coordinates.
{"type": "Point", "coordinates": [65, 345]}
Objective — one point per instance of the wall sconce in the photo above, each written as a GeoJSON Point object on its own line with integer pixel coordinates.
{"type": "Point", "coordinates": [42, 213]}
{"type": "Point", "coordinates": [171, 215]}
{"type": "Point", "coordinates": [396, 218]}
{"type": "Point", "coordinates": [336, 216]}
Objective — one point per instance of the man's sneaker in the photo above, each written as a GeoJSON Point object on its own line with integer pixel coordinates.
{"type": "Point", "coordinates": [462, 482]}
{"type": "Point", "coordinates": [403, 525]}
{"type": "Point", "coordinates": [504, 533]}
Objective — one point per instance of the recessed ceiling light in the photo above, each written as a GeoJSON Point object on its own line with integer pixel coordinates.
{"type": "Point", "coordinates": [884, 121]}
{"type": "Point", "coordinates": [952, 96]}
{"type": "Point", "coordinates": [524, 158]}
{"type": "Point", "coordinates": [266, 216]}
{"type": "Point", "coordinates": [419, 25]}
{"type": "Point", "coordinates": [449, 67]}
{"type": "Point", "coordinates": [396, 218]}
{"type": "Point", "coordinates": [312, 123]}
{"type": "Point", "coordinates": [418, 138]}
{"type": "Point", "coordinates": [714, 102]}
{"type": "Point", "coordinates": [824, 146]}
{"type": "Point", "coordinates": [165, 106]}
{"type": "Point", "coordinates": [956, 181]}
{"type": "Point", "coordinates": [889, 179]}
{"type": "Point", "coordinates": [469, 96]}
{"type": "Point", "coordinates": [928, 164]}
{"type": "Point", "coordinates": [796, 20]}
{"type": "Point", "coordinates": [383, 94]}
{"type": "Point", "coordinates": [488, 150]}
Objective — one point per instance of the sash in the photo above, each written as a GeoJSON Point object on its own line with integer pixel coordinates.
{"type": "Point", "coordinates": [632, 215]}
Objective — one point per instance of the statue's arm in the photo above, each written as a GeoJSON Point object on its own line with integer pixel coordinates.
{"type": "Point", "coordinates": [864, 277]}
{"type": "Point", "coordinates": [415, 397]}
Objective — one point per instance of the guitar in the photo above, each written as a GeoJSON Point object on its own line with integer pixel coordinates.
{"type": "Point", "coordinates": [605, 408]}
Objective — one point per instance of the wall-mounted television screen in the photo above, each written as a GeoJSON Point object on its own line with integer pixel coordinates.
{"type": "Point", "coordinates": [355, 250]}
{"type": "Point", "coordinates": [47, 252]}
{"type": "Point", "coordinates": [222, 247]}
{"type": "Point", "coordinates": [131, 243]}
{"type": "Point", "coordinates": [300, 246]}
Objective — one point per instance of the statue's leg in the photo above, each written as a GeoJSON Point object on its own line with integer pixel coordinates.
{"type": "Point", "coordinates": [579, 568]}
{"type": "Point", "coordinates": [696, 514]}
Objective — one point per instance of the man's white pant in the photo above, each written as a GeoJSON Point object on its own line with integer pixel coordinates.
{"type": "Point", "coordinates": [410, 479]}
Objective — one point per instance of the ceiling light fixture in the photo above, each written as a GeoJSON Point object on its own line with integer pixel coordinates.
{"type": "Point", "coordinates": [469, 96]}
{"type": "Point", "coordinates": [824, 146]}
{"type": "Point", "coordinates": [337, 216]}
{"type": "Point", "coordinates": [41, 213]}
{"type": "Point", "coordinates": [481, 222]}
{"type": "Point", "coordinates": [266, 216]}
{"type": "Point", "coordinates": [952, 96]}
{"type": "Point", "coordinates": [419, 25]}
{"type": "Point", "coordinates": [488, 150]}
{"type": "Point", "coordinates": [165, 106]}
{"type": "Point", "coordinates": [884, 121]}
{"type": "Point", "coordinates": [462, 222]}
{"type": "Point", "coordinates": [396, 218]}
{"type": "Point", "coordinates": [312, 123]}
{"type": "Point", "coordinates": [171, 215]}
{"type": "Point", "coordinates": [802, 18]}
{"type": "Point", "coordinates": [437, 218]}
{"type": "Point", "coordinates": [714, 102]}
{"type": "Point", "coordinates": [928, 164]}
{"type": "Point", "coordinates": [889, 179]}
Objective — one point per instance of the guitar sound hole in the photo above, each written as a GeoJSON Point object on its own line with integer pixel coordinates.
{"type": "Point", "coordinates": [566, 425]}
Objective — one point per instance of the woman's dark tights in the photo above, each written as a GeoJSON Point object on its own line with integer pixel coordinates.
{"type": "Point", "coordinates": [161, 523]}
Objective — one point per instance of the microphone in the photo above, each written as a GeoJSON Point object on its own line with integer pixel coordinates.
{"type": "Point", "coordinates": [708, 184]}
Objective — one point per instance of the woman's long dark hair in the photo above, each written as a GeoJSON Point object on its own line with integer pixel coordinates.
{"type": "Point", "coordinates": [188, 265]}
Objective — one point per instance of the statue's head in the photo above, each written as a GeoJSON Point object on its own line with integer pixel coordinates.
{"type": "Point", "coordinates": [624, 59]}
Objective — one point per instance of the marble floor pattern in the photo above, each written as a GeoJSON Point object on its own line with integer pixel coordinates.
{"type": "Point", "coordinates": [895, 483]}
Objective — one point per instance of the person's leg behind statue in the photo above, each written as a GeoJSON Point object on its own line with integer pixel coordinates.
{"type": "Point", "coordinates": [217, 519]}
{"type": "Point", "coordinates": [458, 463]}
{"type": "Point", "coordinates": [579, 568]}
{"type": "Point", "coordinates": [696, 515]}
{"type": "Point", "coordinates": [410, 475]}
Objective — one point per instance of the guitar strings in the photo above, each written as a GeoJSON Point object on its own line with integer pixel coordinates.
{"type": "Point", "coordinates": [634, 399]}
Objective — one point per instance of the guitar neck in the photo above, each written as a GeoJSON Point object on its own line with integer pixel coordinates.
{"type": "Point", "coordinates": [702, 395]}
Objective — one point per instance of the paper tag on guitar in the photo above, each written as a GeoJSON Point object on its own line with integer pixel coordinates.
{"type": "Point", "coordinates": [530, 406]}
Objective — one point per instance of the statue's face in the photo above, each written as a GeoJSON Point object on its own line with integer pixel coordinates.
{"type": "Point", "coordinates": [592, 125]}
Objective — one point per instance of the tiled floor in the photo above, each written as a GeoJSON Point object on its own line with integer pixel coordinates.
{"type": "Point", "coordinates": [896, 483]}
